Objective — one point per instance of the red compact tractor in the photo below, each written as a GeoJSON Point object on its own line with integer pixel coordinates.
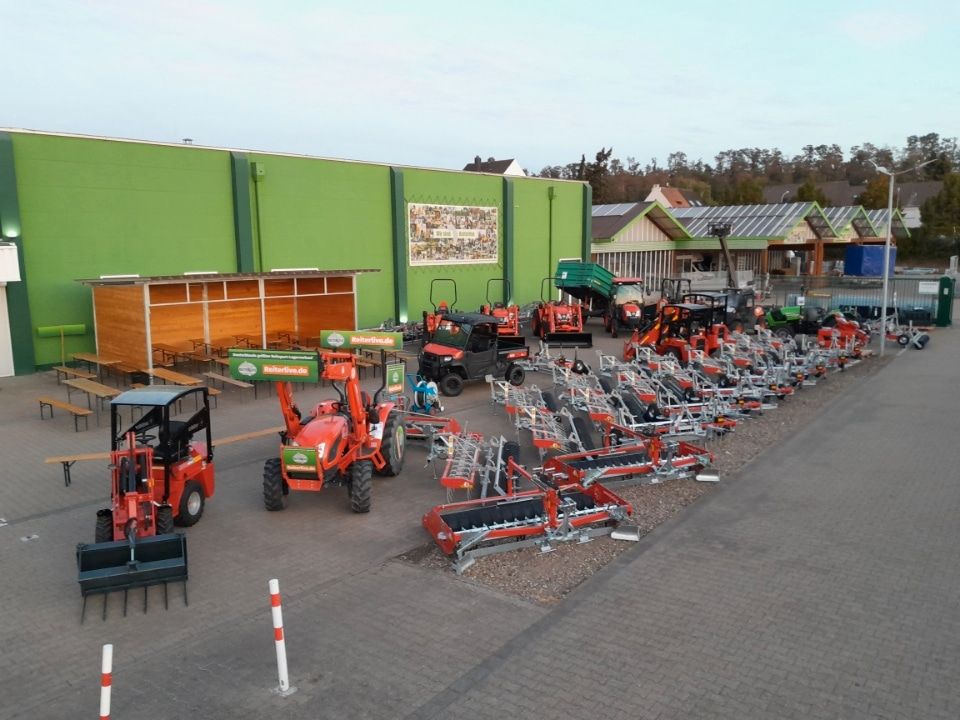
{"type": "Point", "coordinates": [559, 323]}
{"type": "Point", "coordinates": [677, 329]}
{"type": "Point", "coordinates": [440, 308]}
{"type": "Point", "coordinates": [159, 477]}
{"type": "Point", "coordinates": [341, 442]}
{"type": "Point", "coordinates": [625, 308]}
{"type": "Point", "coordinates": [508, 316]}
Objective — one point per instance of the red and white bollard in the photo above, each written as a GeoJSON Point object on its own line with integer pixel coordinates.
{"type": "Point", "coordinates": [106, 679]}
{"type": "Point", "coordinates": [277, 612]}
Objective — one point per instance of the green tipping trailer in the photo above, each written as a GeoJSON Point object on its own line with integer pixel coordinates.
{"type": "Point", "coordinates": [589, 283]}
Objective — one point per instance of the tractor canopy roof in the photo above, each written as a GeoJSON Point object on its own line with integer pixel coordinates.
{"type": "Point", "coordinates": [155, 395]}
{"type": "Point", "coordinates": [471, 318]}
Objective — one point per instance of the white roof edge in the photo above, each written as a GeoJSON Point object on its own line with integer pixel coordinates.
{"type": "Point", "coordinates": [82, 136]}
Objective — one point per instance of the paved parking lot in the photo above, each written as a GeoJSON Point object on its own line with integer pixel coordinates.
{"type": "Point", "coordinates": [819, 582]}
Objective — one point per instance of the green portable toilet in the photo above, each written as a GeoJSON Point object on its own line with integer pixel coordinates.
{"type": "Point", "coordinates": [945, 301]}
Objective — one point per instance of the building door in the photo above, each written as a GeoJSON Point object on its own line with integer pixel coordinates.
{"type": "Point", "coordinates": [6, 345]}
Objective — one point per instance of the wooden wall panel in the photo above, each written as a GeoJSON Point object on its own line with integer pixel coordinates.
{"type": "Point", "coordinates": [325, 312]}
{"type": "Point", "coordinates": [176, 325]}
{"type": "Point", "coordinates": [280, 315]}
{"type": "Point", "coordinates": [172, 293]}
{"type": "Point", "coordinates": [234, 317]}
{"type": "Point", "coordinates": [121, 330]}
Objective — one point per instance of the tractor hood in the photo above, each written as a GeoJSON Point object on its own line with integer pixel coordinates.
{"type": "Point", "coordinates": [323, 429]}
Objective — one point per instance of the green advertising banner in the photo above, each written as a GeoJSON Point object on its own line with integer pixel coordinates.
{"type": "Point", "coordinates": [347, 339]}
{"type": "Point", "coordinates": [257, 364]}
{"type": "Point", "coordinates": [395, 378]}
{"type": "Point", "coordinates": [300, 459]}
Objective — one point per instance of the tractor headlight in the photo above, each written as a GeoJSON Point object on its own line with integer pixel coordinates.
{"type": "Point", "coordinates": [321, 450]}
{"type": "Point", "coordinates": [447, 358]}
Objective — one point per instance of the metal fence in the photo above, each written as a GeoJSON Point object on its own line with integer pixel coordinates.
{"type": "Point", "coordinates": [913, 297]}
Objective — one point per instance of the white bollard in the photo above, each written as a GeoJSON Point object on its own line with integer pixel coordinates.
{"type": "Point", "coordinates": [106, 679]}
{"type": "Point", "coordinates": [284, 688]}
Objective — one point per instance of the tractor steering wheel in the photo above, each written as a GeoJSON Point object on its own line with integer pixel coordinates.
{"type": "Point", "coordinates": [145, 439]}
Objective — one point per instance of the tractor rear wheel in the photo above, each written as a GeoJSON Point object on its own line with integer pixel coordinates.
{"type": "Point", "coordinates": [164, 520]}
{"type": "Point", "coordinates": [274, 498]}
{"type": "Point", "coordinates": [451, 384]}
{"type": "Point", "coordinates": [784, 332]}
{"type": "Point", "coordinates": [394, 444]}
{"type": "Point", "coordinates": [515, 375]}
{"type": "Point", "coordinates": [191, 504]}
{"type": "Point", "coordinates": [104, 531]}
{"type": "Point", "coordinates": [361, 486]}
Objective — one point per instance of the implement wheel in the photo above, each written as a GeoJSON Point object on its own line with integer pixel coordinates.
{"type": "Point", "coordinates": [394, 444]}
{"type": "Point", "coordinates": [104, 531]}
{"type": "Point", "coordinates": [361, 486]}
{"type": "Point", "coordinates": [274, 497]}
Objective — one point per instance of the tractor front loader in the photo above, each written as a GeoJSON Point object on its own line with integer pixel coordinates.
{"type": "Point", "coordinates": [340, 442]}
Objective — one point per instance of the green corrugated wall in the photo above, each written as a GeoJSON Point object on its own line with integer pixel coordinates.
{"type": "Point", "coordinates": [93, 207]}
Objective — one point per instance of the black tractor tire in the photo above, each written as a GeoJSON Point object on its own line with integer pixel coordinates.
{"type": "Point", "coordinates": [585, 433]}
{"type": "Point", "coordinates": [164, 520]}
{"type": "Point", "coordinates": [393, 447]}
{"type": "Point", "coordinates": [614, 328]}
{"type": "Point", "coordinates": [274, 497]}
{"type": "Point", "coordinates": [550, 400]}
{"type": "Point", "coordinates": [515, 375]}
{"type": "Point", "coordinates": [633, 404]}
{"type": "Point", "coordinates": [191, 504]}
{"type": "Point", "coordinates": [784, 332]}
{"type": "Point", "coordinates": [511, 449]}
{"type": "Point", "coordinates": [361, 486]}
{"type": "Point", "coordinates": [104, 531]}
{"type": "Point", "coordinates": [451, 384]}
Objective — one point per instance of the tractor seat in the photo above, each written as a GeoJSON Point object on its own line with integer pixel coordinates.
{"type": "Point", "coordinates": [178, 444]}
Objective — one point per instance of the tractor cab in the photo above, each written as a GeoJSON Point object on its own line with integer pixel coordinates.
{"type": "Point", "coordinates": [166, 431]}
{"type": "Point", "coordinates": [732, 307]}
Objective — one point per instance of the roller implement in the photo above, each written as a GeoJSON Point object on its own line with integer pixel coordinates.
{"type": "Point", "coordinates": [160, 476]}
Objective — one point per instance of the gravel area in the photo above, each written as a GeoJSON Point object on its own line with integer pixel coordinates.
{"type": "Point", "coordinates": [545, 578]}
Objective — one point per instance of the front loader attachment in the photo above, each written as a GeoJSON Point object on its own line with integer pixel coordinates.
{"type": "Point", "coordinates": [125, 564]}
{"type": "Point", "coordinates": [569, 339]}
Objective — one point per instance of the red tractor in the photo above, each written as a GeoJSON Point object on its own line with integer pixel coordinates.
{"type": "Point", "coordinates": [440, 308]}
{"type": "Point", "coordinates": [677, 329]}
{"type": "Point", "coordinates": [559, 323]}
{"type": "Point", "coordinates": [340, 442]}
{"type": "Point", "coordinates": [508, 316]}
{"type": "Point", "coordinates": [159, 477]}
{"type": "Point", "coordinates": [625, 308]}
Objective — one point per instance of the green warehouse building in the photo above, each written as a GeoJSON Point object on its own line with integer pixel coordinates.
{"type": "Point", "coordinates": [78, 207]}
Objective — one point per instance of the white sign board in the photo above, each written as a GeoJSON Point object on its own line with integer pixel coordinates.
{"type": "Point", "coordinates": [928, 288]}
{"type": "Point", "coordinates": [9, 263]}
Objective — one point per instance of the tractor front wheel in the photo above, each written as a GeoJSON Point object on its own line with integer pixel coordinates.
{"type": "Point", "coordinates": [451, 384]}
{"type": "Point", "coordinates": [164, 520]}
{"type": "Point", "coordinates": [191, 504]}
{"type": "Point", "coordinates": [274, 497]}
{"type": "Point", "coordinates": [361, 486]}
{"type": "Point", "coordinates": [393, 445]}
{"type": "Point", "coordinates": [104, 531]}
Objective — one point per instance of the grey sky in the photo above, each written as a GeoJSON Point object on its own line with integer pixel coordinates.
{"type": "Point", "coordinates": [435, 83]}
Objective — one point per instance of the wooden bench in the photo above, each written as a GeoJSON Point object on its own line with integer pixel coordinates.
{"type": "Point", "coordinates": [75, 410]}
{"type": "Point", "coordinates": [68, 372]}
{"type": "Point", "coordinates": [226, 379]}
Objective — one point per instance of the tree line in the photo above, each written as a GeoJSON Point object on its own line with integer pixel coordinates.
{"type": "Point", "coordinates": [738, 177]}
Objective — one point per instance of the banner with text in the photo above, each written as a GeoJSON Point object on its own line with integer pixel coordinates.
{"type": "Point", "coordinates": [452, 234]}
{"type": "Point", "coordinates": [257, 364]}
{"type": "Point", "coordinates": [347, 339]}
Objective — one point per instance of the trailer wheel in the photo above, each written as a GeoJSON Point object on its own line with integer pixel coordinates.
{"type": "Point", "coordinates": [393, 446]}
{"type": "Point", "coordinates": [515, 375]}
{"type": "Point", "coordinates": [550, 400]}
{"type": "Point", "coordinates": [104, 531]}
{"type": "Point", "coordinates": [273, 496]}
{"type": "Point", "coordinates": [361, 486]}
{"type": "Point", "coordinates": [903, 340]}
{"type": "Point", "coordinates": [451, 384]}
{"type": "Point", "coordinates": [191, 504]}
{"type": "Point", "coordinates": [511, 449]}
{"type": "Point", "coordinates": [164, 520]}
{"type": "Point", "coordinates": [584, 433]}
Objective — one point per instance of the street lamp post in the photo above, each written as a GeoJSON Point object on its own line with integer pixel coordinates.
{"type": "Point", "coordinates": [886, 247]}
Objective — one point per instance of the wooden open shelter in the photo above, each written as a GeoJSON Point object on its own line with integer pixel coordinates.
{"type": "Point", "coordinates": [133, 315]}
